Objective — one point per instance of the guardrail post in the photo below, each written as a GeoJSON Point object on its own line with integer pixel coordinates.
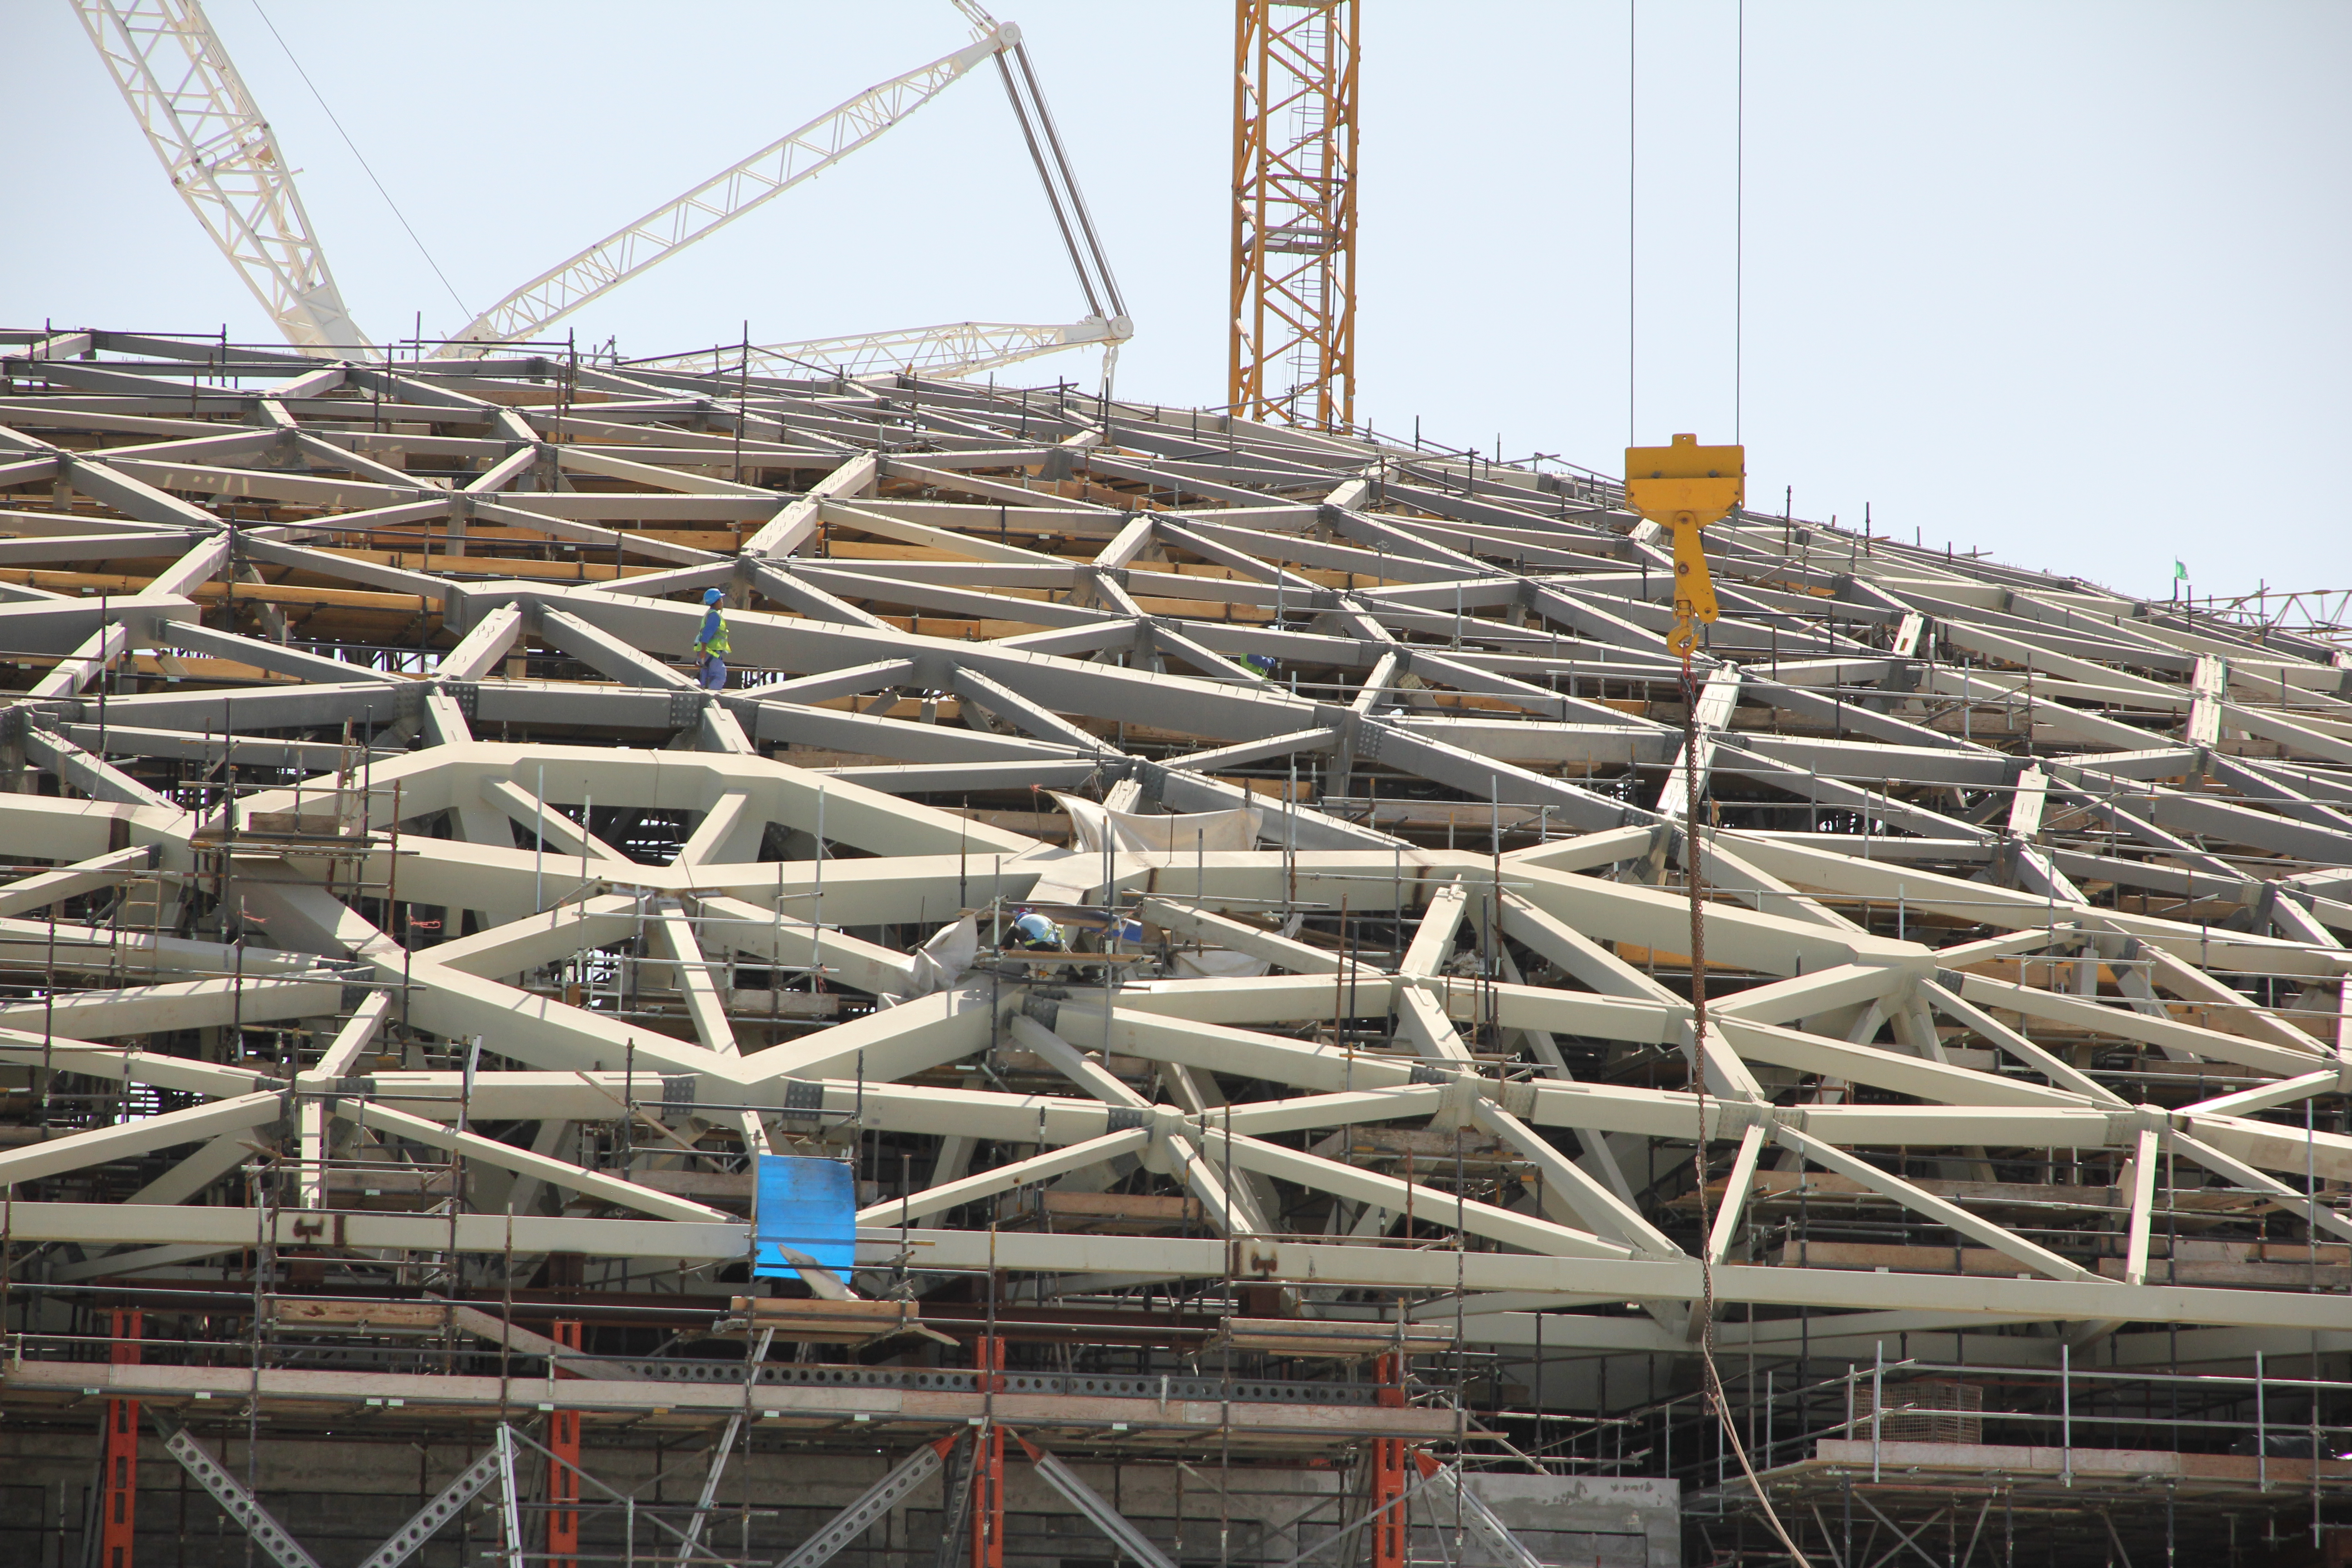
{"type": "Point", "coordinates": [1878, 1407]}
{"type": "Point", "coordinates": [2066, 1411]}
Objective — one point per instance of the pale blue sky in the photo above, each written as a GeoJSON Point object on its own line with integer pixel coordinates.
{"type": "Point", "coordinates": [2063, 280]}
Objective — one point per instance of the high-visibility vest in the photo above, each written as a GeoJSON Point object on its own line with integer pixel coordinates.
{"type": "Point", "coordinates": [717, 641]}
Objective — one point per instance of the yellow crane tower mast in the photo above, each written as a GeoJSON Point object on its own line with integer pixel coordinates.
{"type": "Point", "coordinates": [1293, 346]}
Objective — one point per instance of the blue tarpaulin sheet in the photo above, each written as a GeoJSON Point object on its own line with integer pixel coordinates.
{"type": "Point", "coordinates": [809, 1205]}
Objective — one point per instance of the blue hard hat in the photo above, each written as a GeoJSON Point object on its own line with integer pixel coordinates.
{"type": "Point", "coordinates": [1036, 928]}
{"type": "Point", "coordinates": [711, 596]}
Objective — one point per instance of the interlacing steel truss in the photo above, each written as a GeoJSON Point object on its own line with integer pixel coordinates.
{"type": "Point", "coordinates": [366, 825]}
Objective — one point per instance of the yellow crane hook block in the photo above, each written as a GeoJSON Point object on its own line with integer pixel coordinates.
{"type": "Point", "coordinates": [1685, 487]}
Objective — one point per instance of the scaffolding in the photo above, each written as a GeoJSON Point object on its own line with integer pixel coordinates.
{"type": "Point", "coordinates": [2001, 1463]}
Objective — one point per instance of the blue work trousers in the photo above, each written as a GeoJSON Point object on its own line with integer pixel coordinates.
{"type": "Point", "coordinates": [714, 673]}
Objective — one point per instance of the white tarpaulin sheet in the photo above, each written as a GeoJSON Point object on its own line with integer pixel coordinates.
{"type": "Point", "coordinates": [1161, 832]}
{"type": "Point", "coordinates": [938, 963]}
{"type": "Point", "coordinates": [1217, 963]}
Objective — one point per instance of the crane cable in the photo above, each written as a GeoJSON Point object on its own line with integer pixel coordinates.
{"type": "Point", "coordinates": [1713, 1393]}
{"type": "Point", "coordinates": [338, 124]}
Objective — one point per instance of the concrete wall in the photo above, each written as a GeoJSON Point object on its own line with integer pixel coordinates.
{"type": "Point", "coordinates": [1615, 1522]}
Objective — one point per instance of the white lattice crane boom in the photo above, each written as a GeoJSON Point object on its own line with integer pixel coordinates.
{"type": "Point", "coordinates": [939, 352]}
{"type": "Point", "coordinates": [797, 155]}
{"type": "Point", "coordinates": [218, 151]}
{"type": "Point", "coordinates": [965, 348]}
{"type": "Point", "coordinates": [220, 156]}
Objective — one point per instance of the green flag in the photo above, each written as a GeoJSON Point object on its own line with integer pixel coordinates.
{"type": "Point", "coordinates": [2179, 573]}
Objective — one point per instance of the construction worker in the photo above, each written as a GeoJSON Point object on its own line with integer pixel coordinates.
{"type": "Point", "coordinates": [1037, 933]}
{"type": "Point", "coordinates": [710, 646]}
